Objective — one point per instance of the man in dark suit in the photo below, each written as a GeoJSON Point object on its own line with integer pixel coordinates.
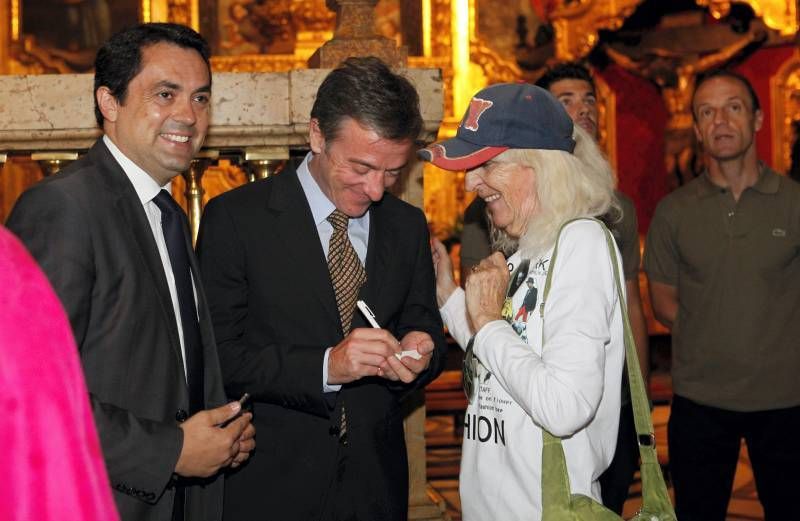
{"type": "Point", "coordinates": [274, 254]}
{"type": "Point", "coordinates": [115, 247]}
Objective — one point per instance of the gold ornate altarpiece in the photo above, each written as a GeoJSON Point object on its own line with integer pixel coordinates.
{"type": "Point", "coordinates": [450, 43]}
{"type": "Point", "coordinates": [13, 41]}
{"type": "Point", "coordinates": [782, 16]}
{"type": "Point", "coordinates": [785, 96]}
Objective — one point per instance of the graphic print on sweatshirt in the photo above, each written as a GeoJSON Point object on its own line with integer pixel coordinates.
{"type": "Point", "coordinates": [486, 420]}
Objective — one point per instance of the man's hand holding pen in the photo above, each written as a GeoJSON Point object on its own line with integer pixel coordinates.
{"type": "Point", "coordinates": [376, 352]}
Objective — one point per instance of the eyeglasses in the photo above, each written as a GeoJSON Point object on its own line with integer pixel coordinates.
{"type": "Point", "coordinates": [469, 371]}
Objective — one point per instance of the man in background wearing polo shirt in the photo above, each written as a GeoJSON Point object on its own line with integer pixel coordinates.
{"type": "Point", "coordinates": [723, 258]}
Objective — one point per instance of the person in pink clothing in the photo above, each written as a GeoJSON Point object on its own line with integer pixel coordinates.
{"type": "Point", "coordinates": [51, 454]}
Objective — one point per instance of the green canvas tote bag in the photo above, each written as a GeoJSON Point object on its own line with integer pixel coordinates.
{"type": "Point", "coordinates": [558, 504]}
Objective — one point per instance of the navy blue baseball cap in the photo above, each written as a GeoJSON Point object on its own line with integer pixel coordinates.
{"type": "Point", "coordinates": [503, 116]}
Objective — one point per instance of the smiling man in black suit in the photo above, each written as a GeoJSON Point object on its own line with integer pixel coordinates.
{"type": "Point", "coordinates": [115, 246]}
{"type": "Point", "coordinates": [284, 261]}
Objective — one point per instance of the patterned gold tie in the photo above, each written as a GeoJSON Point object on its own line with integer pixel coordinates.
{"type": "Point", "coordinates": [347, 277]}
{"type": "Point", "coordinates": [347, 273]}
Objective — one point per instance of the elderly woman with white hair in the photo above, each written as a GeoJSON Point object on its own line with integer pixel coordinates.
{"type": "Point", "coordinates": [533, 365]}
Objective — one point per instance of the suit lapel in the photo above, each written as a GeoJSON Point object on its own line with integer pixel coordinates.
{"type": "Point", "coordinates": [298, 235]}
{"type": "Point", "coordinates": [130, 208]}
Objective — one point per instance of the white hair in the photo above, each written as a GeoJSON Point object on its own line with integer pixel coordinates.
{"type": "Point", "coordinates": [568, 186]}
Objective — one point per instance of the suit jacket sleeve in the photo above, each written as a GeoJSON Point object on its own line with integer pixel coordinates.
{"type": "Point", "coordinates": [140, 454]}
{"type": "Point", "coordinates": [421, 312]}
{"type": "Point", "coordinates": [289, 375]}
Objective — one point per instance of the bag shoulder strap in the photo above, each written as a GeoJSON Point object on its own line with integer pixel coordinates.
{"type": "Point", "coordinates": [641, 407]}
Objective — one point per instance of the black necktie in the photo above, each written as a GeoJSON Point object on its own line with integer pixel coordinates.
{"type": "Point", "coordinates": [175, 228]}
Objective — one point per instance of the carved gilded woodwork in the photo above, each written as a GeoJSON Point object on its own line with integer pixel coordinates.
{"type": "Point", "coordinates": [577, 23]}
{"type": "Point", "coordinates": [254, 35]}
{"type": "Point", "coordinates": [277, 27]}
{"type": "Point", "coordinates": [8, 32]}
{"type": "Point", "coordinates": [21, 53]}
{"type": "Point", "coordinates": [780, 15]}
{"type": "Point", "coordinates": [444, 201]}
{"type": "Point", "coordinates": [313, 25]}
{"type": "Point", "coordinates": [785, 101]}
{"type": "Point", "coordinates": [495, 68]}
{"type": "Point", "coordinates": [606, 119]}
{"type": "Point", "coordinates": [217, 179]}
{"type": "Point", "coordinates": [676, 73]}
{"type": "Point", "coordinates": [440, 27]}
{"type": "Point", "coordinates": [17, 175]}
{"type": "Point", "coordinates": [183, 12]}
{"type": "Point", "coordinates": [314, 14]}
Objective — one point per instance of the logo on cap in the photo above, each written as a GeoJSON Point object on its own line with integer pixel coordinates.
{"type": "Point", "coordinates": [477, 107]}
{"type": "Point", "coordinates": [437, 151]}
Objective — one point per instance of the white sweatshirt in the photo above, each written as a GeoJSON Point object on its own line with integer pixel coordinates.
{"type": "Point", "coordinates": [572, 388]}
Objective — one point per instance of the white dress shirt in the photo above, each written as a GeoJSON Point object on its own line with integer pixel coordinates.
{"type": "Point", "coordinates": [147, 188]}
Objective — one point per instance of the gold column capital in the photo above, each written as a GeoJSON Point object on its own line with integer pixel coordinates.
{"type": "Point", "coordinates": [53, 162]}
{"type": "Point", "coordinates": [263, 162]}
{"type": "Point", "coordinates": [194, 188]}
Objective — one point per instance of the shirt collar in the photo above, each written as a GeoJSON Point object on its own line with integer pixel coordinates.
{"type": "Point", "coordinates": [146, 187]}
{"type": "Point", "coordinates": [321, 206]}
{"type": "Point", "coordinates": [767, 183]}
